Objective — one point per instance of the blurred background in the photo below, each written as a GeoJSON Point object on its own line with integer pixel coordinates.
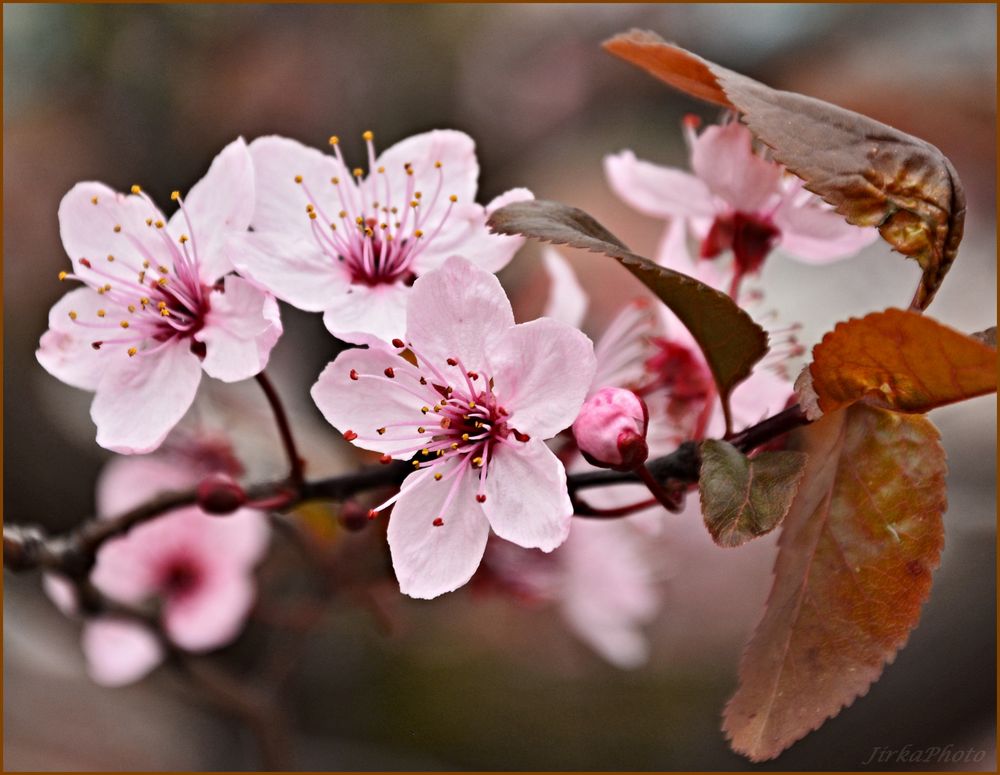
{"type": "Point", "coordinates": [149, 94]}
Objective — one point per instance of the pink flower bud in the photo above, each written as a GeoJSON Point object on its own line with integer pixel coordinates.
{"type": "Point", "coordinates": [219, 494]}
{"type": "Point", "coordinates": [611, 429]}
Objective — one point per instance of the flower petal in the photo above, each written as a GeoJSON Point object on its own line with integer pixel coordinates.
{"type": "Point", "coordinates": [374, 401]}
{"type": "Point", "coordinates": [722, 157]}
{"type": "Point", "coordinates": [567, 300]}
{"type": "Point", "coordinates": [542, 372]}
{"type": "Point", "coordinates": [366, 313]}
{"type": "Point", "coordinates": [241, 327]}
{"type": "Point", "coordinates": [430, 559]}
{"type": "Point", "coordinates": [281, 202]}
{"type": "Point", "coordinates": [816, 234]}
{"type": "Point", "coordinates": [214, 614]}
{"type": "Point", "coordinates": [458, 173]}
{"type": "Point", "coordinates": [128, 482]}
{"type": "Point", "coordinates": [293, 269]}
{"type": "Point", "coordinates": [219, 203]}
{"type": "Point", "coordinates": [119, 652]}
{"type": "Point", "coordinates": [61, 592]}
{"type": "Point", "coordinates": [238, 541]}
{"type": "Point", "coordinates": [661, 192]}
{"type": "Point", "coordinates": [139, 401]}
{"type": "Point", "coordinates": [457, 311]}
{"type": "Point", "coordinates": [527, 502]}
{"type": "Point", "coordinates": [65, 350]}
{"type": "Point", "coordinates": [465, 234]}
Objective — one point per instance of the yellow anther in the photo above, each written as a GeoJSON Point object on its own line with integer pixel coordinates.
{"type": "Point", "coordinates": [145, 264]}
{"type": "Point", "coordinates": [161, 305]}
{"type": "Point", "coordinates": [111, 259]}
{"type": "Point", "coordinates": [72, 314]}
{"type": "Point", "coordinates": [425, 452]}
{"type": "Point", "coordinates": [472, 404]}
{"type": "Point", "coordinates": [117, 229]}
{"type": "Point", "coordinates": [360, 221]}
{"type": "Point", "coordinates": [381, 170]}
{"type": "Point", "coordinates": [131, 307]}
{"type": "Point", "coordinates": [162, 269]}
{"type": "Point", "coordinates": [342, 214]}
{"type": "Point", "coordinates": [136, 190]}
{"type": "Point", "coordinates": [414, 203]}
{"type": "Point", "coordinates": [418, 233]}
{"type": "Point", "coordinates": [454, 445]}
{"type": "Point", "coordinates": [383, 226]}
{"type": "Point", "coordinates": [149, 221]}
{"type": "Point", "coordinates": [298, 178]}
{"type": "Point", "coordinates": [437, 476]}
{"type": "Point", "coordinates": [437, 407]}
{"type": "Point", "coordinates": [394, 210]}
{"type": "Point", "coordinates": [164, 313]}
{"type": "Point", "coordinates": [425, 409]}
{"type": "Point", "coordinates": [453, 198]}
{"type": "Point", "coordinates": [380, 431]}
{"type": "Point", "coordinates": [368, 136]}
{"type": "Point", "coordinates": [312, 215]}
{"type": "Point", "coordinates": [437, 165]}
{"type": "Point", "coordinates": [159, 224]}
{"type": "Point", "coordinates": [124, 324]}
{"type": "Point", "coordinates": [131, 352]}
{"type": "Point", "coordinates": [421, 429]}
{"type": "Point", "coordinates": [333, 226]}
{"type": "Point", "coordinates": [142, 277]}
{"type": "Point", "coordinates": [183, 238]}
{"type": "Point", "coordinates": [358, 172]}
{"type": "Point", "coordinates": [477, 461]}
{"type": "Point", "coordinates": [175, 195]}
{"type": "Point", "coordinates": [409, 170]}
{"type": "Point", "coordinates": [144, 300]}
{"type": "Point", "coordinates": [416, 464]}
{"type": "Point", "coordinates": [465, 437]}
{"type": "Point", "coordinates": [93, 200]}
{"type": "Point", "coordinates": [368, 232]}
{"type": "Point", "coordinates": [309, 208]}
{"type": "Point", "coordinates": [162, 281]}
{"type": "Point", "coordinates": [63, 275]}
{"type": "Point", "coordinates": [101, 313]}
{"type": "Point", "coordinates": [107, 286]}
{"type": "Point", "coordinates": [334, 139]}
{"type": "Point", "coordinates": [417, 194]}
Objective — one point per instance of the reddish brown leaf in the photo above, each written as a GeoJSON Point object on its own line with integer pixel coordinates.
{"type": "Point", "coordinates": [743, 498]}
{"type": "Point", "coordinates": [902, 361]}
{"type": "Point", "coordinates": [872, 174]}
{"type": "Point", "coordinates": [731, 341]}
{"type": "Point", "coordinates": [853, 570]}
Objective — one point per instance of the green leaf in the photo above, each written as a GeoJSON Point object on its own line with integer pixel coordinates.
{"type": "Point", "coordinates": [854, 568]}
{"type": "Point", "coordinates": [731, 342]}
{"type": "Point", "coordinates": [743, 498]}
{"type": "Point", "coordinates": [872, 174]}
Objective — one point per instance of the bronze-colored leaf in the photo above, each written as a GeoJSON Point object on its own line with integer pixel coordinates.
{"type": "Point", "coordinates": [899, 360]}
{"type": "Point", "coordinates": [872, 174]}
{"type": "Point", "coordinates": [731, 341]}
{"type": "Point", "coordinates": [853, 570]}
{"type": "Point", "coordinates": [989, 336]}
{"type": "Point", "coordinates": [743, 498]}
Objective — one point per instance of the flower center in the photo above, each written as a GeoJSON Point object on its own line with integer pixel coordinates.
{"type": "Point", "coordinates": [374, 229]}
{"type": "Point", "coordinates": [751, 237]}
{"type": "Point", "coordinates": [458, 422]}
{"type": "Point", "coordinates": [147, 303]}
{"type": "Point", "coordinates": [179, 577]}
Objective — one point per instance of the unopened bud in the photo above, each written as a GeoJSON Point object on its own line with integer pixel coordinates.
{"type": "Point", "coordinates": [353, 516]}
{"type": "Point", "coordinates": [611, 429]}
{"type": "Point", "coordinates": [219, 494]}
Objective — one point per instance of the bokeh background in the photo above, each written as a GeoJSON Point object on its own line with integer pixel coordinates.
{"type": "Point", "coordinates": [149, 94]}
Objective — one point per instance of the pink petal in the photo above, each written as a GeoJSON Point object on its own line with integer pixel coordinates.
{"type": "Point", "coordinates": [526, 498]}
{"type": "Point", "coordinates": [658, 191]}
{"type": "Point", "coordinates": [241, 327]}
{"type": "Point", "coordinates": [213, 615]}
{"type": "Point", "coordinates": [722, 157]}
{"type": "Point", "coordinates": [458, 174]}
{"type": "Point", "coordinates": [119, 652]}
{"type": "Point", "coordinates": [542, 371]}
{"type": "Point", "coordinates": [763, 394]}
{"type": "Point", "coordinates": [237, 541]}
{"type": "Point", "coordinates": [465, 234]}
{"type": "Point", "coordinates": [280, 208]}
{"type": "Point", "coordinates": [365, 313]}
{"type": "Point", "coordinates": [430, 559]}
{"type": "Point", "coordinates": [61, 592]}
{"type": "Point", "coordinates": [373, 401]}
{"type": "Point", "coordinates": [814, 233]}
{"type": "Point", "coordinates": [292, 268]}
{"type": "Point", "coordinates": [567, 300]}
{"type": "Point", "coordinates": [65, 351]}
{"type": "Point", "coordinates": [88, 229]}
{"type": "Point", "coordinates": [220, 203]}
{"type": "Point", "coordinates": [127, 482]}
{"type": "Point", "coordinates": [458, 311]}
{"type": "Point", "coordinates": [610, 589]}
{"type": "Point", "coordinates": [140, 399]}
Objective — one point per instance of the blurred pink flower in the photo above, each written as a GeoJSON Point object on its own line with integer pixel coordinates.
{"type": "Point", "coordinates": [474, 413]}
{"type": "Point", "coordinates": [197, 568]}
{"type": "Point", "coordinates": [330, 239]}
{"type": "Point", "coordinates": [737, 201]}
{"type": "Point", "coordinates": [153, 312]}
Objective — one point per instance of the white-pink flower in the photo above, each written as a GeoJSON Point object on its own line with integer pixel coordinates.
{"type": "Point", "coordinates": [736, 201]}
{"type": "Point", "coordinates": [197, 569]}
{"type": "Point", "coordinates": [332, 239]}
{"type": "Point", "coordinates": [157, 306]}
{"type": "Point", "coordinates": [473, 412]}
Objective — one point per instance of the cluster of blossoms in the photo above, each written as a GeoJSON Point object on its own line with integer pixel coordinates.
{"type": "Point", "coordinates": [399, 260]}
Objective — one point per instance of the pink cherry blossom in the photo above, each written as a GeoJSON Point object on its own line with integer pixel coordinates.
{"type": "Point", "coordinates": [611, 429]}
{"type": "Point", "coordinates": [473, 412]}
{"type": "Point", "coordinates": [153, 312]}
{"type": "Point", "coordinates": [736, 201]}
{"type": "Point", "coordinates": [332, 239]}
{"type": "Point", "coordinates": [197, 568]}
